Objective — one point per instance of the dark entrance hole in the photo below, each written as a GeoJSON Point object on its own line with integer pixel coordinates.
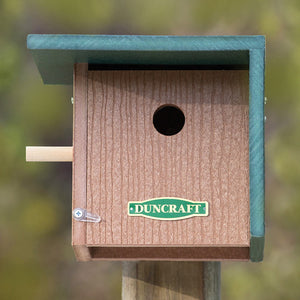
{"type": "Point", "coordinates": [168, 119]}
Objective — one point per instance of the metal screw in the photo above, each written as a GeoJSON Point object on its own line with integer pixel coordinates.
{"type": "Point", "coordinates": [72, 100]}
{"type": "Point", "coordinates": [266, 100]}
{"type": "Point", "coordinates": [78, 213]}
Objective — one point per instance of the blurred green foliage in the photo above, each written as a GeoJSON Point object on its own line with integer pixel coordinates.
{"type": "Point", "coordinates": [36, 259]}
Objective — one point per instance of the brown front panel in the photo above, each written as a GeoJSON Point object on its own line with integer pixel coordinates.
{"type": "Point", "coordinates": [128, 160]}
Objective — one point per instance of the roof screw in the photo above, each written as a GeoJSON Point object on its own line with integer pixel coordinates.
{"type": "Point", "coordinates": [72, 100]}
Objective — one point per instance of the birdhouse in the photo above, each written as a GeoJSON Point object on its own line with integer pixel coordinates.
{"type": "Point", "coordinates": [168, 144]}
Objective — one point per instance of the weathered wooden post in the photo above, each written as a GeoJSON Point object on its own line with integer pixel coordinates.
{"type": "Point", "coordinates": [171, 280]}
{"type": "Point", "coordinates": [168, 154]}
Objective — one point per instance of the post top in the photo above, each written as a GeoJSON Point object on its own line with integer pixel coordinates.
{"type": "Point", "coordinates": [55, 54]}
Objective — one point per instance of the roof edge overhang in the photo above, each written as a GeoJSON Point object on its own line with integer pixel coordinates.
{"type": "Point", "coordinates": [55, 55]}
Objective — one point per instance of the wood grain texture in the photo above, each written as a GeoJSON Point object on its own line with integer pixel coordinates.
{"type": "Point", "coordinates": [171, 280]}
{"type": "Point", "coordinates": [257, 154]}
{"type": "Point", "coordinates": [79, 162]}
{"type": "Point", "coordinates": [128, 160]}
{"type": "Point", "coordinates": [212, 280]}
{"type": "Point", "coordinates": [55, 54]}
{"type": "Point", "coordinates": [162, 280]}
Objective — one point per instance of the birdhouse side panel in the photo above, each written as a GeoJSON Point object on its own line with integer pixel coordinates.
{"type": "Point", "coordinates": [79, 166]}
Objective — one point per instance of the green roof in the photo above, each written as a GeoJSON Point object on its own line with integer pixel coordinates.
{"type": "Point", "coordinates": [55, 55]}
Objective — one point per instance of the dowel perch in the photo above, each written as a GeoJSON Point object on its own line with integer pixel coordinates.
{"type": "Point", "coordinates": [49, 154]}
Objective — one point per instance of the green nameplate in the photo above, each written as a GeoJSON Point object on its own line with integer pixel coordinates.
{"type": "Point", "coordinates": [168, 209]}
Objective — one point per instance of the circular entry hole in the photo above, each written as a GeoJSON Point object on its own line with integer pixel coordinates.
{"type": "Point", "coordinates": [168, 119]}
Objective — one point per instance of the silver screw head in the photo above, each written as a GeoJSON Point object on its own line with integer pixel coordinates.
{"type": "Point", "coordinates": [78, 213]}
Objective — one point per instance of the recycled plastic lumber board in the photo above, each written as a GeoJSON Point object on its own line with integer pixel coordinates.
{"type": "Point", "coordinates": [107, 233]}
{"type": "Point", "coordinates": [67, 50]}
{"type": "Point", "coordinates": [79, 162]}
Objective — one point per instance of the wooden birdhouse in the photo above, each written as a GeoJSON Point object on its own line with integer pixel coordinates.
{"type": "Point", "coordinates": [168, 144]}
